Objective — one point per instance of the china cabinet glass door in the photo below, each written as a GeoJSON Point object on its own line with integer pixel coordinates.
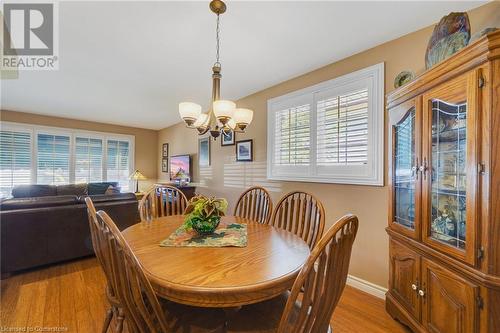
{"type": "Point", "coordinates": [405, 182]}
{"type": "Point", "coordinates": [448, 189]}
{"type": "Point", "coordinates": [450, 181]}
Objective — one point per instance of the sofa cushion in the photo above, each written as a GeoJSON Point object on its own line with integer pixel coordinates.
{"type": "Point", "coordinates": [37, 202]}
{"type": "Point", "coordinates": [110, 197]}
{"type": "Point", "coordinates": [72, 189]}
{"type": "Point", "coordinates": [27, 191]}
{"type": "Point", "coordinates": [99, 188]}
{"type": "Point", "coordinates": [112, 190]}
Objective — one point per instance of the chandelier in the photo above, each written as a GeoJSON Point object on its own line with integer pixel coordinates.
{"type": "Point", "coordinates": [223, 116]}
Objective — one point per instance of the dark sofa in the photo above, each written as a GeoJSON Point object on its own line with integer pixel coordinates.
{"type": "Point", "coordinates": [44, 224]}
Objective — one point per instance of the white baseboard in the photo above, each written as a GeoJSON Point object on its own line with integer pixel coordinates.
{"type": "Point", "coordinates": [367, 287]}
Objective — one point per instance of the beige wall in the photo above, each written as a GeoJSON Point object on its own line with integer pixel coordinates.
{"type": "Point", "coordinates": [145, 140]}
{"type": "Point", "coordinates": [227, 178]}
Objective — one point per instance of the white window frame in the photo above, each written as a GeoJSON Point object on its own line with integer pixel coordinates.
{"type": "Point", "coordinates": [52, 131]}
{"type": "Point", "coordinates": [34, 130]}
{"type": "Point", "coordinates": [99, 136]}
{"type": "Point", "coordinates": [370, 174]}
{"type": "Point", "coordinates": [119, 137]}
{"type": "Point", "coordinates": [22, 128]}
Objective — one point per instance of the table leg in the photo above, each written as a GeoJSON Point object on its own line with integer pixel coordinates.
{"type": "Point", "coordinates": [230, 313]}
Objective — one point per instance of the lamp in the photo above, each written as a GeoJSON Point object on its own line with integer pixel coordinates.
{"type": "Point", "coordinates": [242, 117]}
{"type": "Point", "coordinates": [137, 175]}
{"type": "Point", "coordinates": [189, 112]}
{"type": "Point", "coordinates": [231, 124]}
{"type": "Point", "coordinates": [223, 110]}
{"type": "Point", "coordinates": [223, 116]}
{"type": "Point", "coordinates": [201, 124]}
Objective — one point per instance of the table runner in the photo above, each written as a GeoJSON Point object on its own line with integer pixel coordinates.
{"type": "Point", "coordinates": [233, 234]}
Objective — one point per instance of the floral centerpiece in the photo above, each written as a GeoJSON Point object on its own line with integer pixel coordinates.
{"type": "Point", "coordinates": [203, 214]}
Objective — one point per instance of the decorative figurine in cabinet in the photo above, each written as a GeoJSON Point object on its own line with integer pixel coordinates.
{"type": "Point", "coordinates": [444, 185]}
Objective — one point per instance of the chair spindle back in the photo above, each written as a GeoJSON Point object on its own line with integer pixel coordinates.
{"type": "Point", "coordinates": [254, 204]}
{"type": "Point", "coordinates": [302, 214]}
{"type": "Point", "coordinates": [162, 200]}
{"type": "Point", "coordinates": [321, 281]}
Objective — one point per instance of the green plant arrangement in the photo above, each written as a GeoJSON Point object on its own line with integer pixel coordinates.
{"type": "Point", "coordinates": [203, 214]}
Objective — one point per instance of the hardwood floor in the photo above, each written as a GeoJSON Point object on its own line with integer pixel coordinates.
{"type": "Point", "coordinates": [71, 296]}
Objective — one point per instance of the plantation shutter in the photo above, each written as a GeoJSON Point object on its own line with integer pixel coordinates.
{"type": "Point", "coordinates": [292, 135]}
{"type": "Point", "coordinates": [118, 162]}
{"type": "Point", "coordinates": [342, 129]}
{"type": "Point", "coordinates": [15, 160]}
{"type": "Point", "coordinates": [53, 159]}
{"type": "Point", "coordinates": [332, 132]}
{"type": "Point", "coordinates": [88, 160]}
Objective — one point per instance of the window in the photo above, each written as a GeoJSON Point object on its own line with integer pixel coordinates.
{"type": "Point", "coordinates": [331, 132]}
{"type": "Point", "coordinates": [47, 155]}
{"type": "Point", "coordinates": [53, 159]}
{"type": "Point", "coordinates": [118, 162]}
{"type": "Point", "coordinates": [15, 160]}
{"type": "Point", "coordinates": [88, 160]}
{"type": "Point", "coordinates": [292, 139]}
{"type": "Point", "coordinates": [342, 129]}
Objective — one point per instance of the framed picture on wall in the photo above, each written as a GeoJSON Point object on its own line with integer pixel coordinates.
{"type": "Point", "coordinates": [244, 150]}
{"type": "Point", "coordinates": [164, 165]}
{"type": "Point", "coordinates": [204, 151]}
{"type": "Point", "coordinates": [227, 139]}
{"type": "Point", "coordinates": [164, 151]}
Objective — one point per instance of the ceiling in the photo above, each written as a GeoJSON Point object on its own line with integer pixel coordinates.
{"type": "Point", "coordinates": [130, 62]}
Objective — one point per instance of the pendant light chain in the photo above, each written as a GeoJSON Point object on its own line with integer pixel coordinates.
{"type": "Point", "coordinates": [217, 39]}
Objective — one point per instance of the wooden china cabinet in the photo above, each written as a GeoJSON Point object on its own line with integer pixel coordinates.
{"type": "Point", "coordinates": [444, 180]}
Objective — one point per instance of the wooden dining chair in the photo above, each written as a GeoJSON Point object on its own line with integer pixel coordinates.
{"type": "Point", "coordinates": [254, 204]}
{"type": "Point", "coordinates": [320, 283]}
{"type": "Point", "coordinates": [162, 200]}
{"type": "Point", "coordinates": [140, 301]}
{"type": "Point", "coordinates": [102, 255]}
{"type": "Point", "coordinates": [302, 214]}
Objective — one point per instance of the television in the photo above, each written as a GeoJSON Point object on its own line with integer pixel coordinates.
{"type": "Point", "coordinates": [180, 167]}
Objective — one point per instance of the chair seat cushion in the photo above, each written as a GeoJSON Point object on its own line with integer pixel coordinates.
{"type": "Point", "coordinates": [184, 318]}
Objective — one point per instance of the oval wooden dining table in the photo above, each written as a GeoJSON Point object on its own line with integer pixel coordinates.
{"type": "Point", "coordinates": [218, 276]}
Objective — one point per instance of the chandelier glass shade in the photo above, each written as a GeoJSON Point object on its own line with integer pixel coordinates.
{"type": "Point", "coordinates": [242, 117]}
{"type": "Point", "coordinates": [223, 110]}
{"type": "Point", "coordinates": [223, 116]}
{"type": "Point", "coordinates": [202, 121]}
{"type": "Point", "coordinates": [190, 112]}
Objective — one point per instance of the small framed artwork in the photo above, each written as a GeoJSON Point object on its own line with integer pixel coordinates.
{"type": "Point", "coordinates": [164, 165]}
{"type": "Point", "coordinates": [227, 139]}
{"type": "Point", "coordinates": [244, 150]}
{"type": "Point", "coordinates": [164, 150]}
{"type": "Point", "coordinates": [204, 151]}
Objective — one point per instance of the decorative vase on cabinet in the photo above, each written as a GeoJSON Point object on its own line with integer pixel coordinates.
{"type": "Point", "coordinates": [444, 181]}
